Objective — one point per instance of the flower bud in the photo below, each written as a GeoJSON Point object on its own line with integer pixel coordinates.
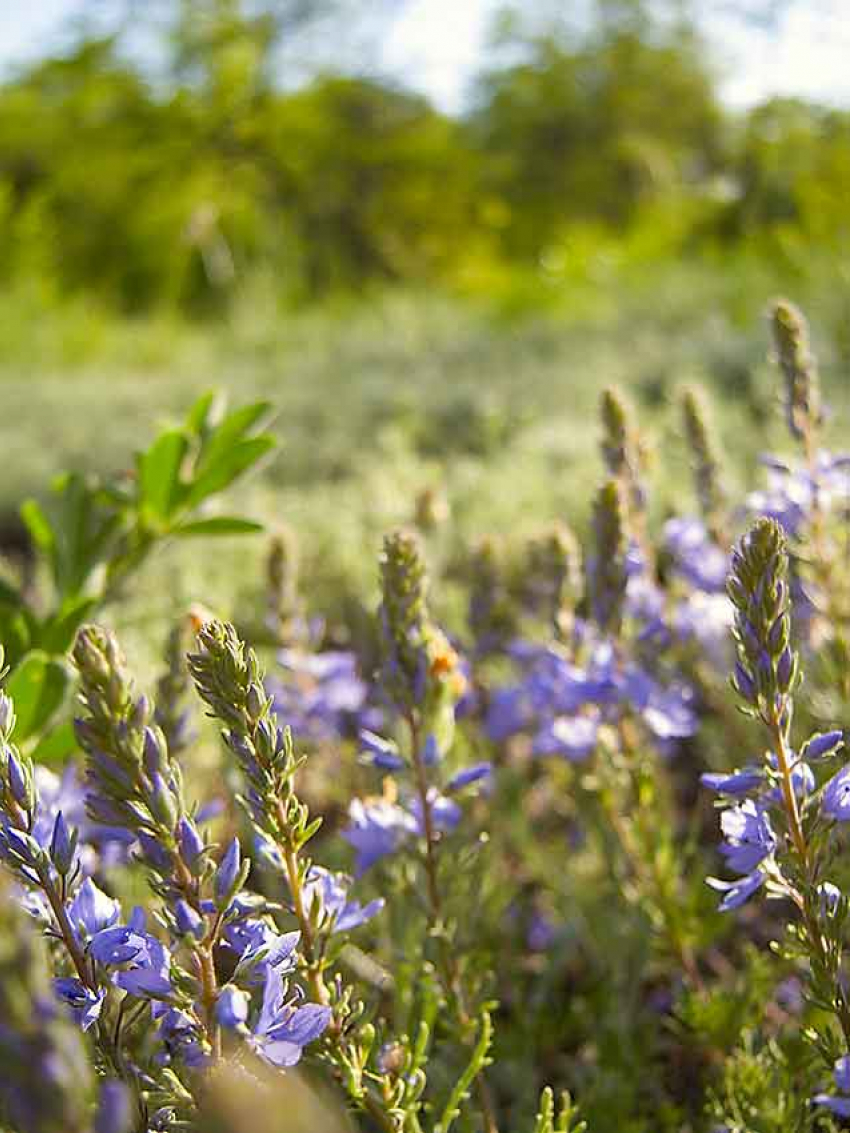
{"type": "Point", "coordinates": [829, 896]}
{"type": "Point", "coordinates": [255, 701]}
{"type": "Point", "coordinates": [142, 712]}
{"type": "Point", "coordinates": [7, 715]}
{"type": "Point", "coordinates": [265, 739]}
{"type": "Point", "coordinates": [823, 744]}
{"type": "Point", "coordinates": [63, 843]}
{"type": "Point", "coordinates": [188, 920]}
{"type": "Point", "coordinates": [19, 771]}
{"type": "Point", "coordinates": [162, 803]}
{"type": "Point", "coordinates": [391, 1058]}
{"type": "Point", "coordinates": [227, 875]}
{"type": "Point", "coordinates": [155, 753]}
{"type": "Point", "coordinates": [785, 669]}
{"type": "Point", "coordinates": [231, 1009]}
{"type": "Point", "coordinates": [154, 853]}
{"type": "Point", "coordinates": [744, 684]}
{"type": "Point", "coordinates": [191, 844]}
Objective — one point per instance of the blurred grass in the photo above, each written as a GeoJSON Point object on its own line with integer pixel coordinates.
{"type": "Point", "coordinates": [401, 393]}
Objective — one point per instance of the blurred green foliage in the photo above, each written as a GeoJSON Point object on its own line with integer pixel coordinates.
{"type": "Point", "coordinates": [165, 187]}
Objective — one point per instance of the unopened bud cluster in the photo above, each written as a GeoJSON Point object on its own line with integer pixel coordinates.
{"type": "Point", "coordinates": [766, 669]}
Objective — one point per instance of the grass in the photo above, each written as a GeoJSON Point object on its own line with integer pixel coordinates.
{"type": "Point", "coordinates": [398, 395]}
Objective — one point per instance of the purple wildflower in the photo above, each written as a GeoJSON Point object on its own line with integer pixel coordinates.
{"type": "Point", "coordinates": [330, 891]}
{"type": "Point", "coordinates": [475, 773]}
{"type": "Point", "coordinates": [377, 828]}
{"type": "Point", "coordinates": [445, 813]}
{"type": "Point", "coordinates": [749, 837]}
{"type": "Point", "coordinates": [231, 1009]}
{"type": "Point", "coordinates": [737, 892]}
{"type": "Point", "coordinates": [839, 1105]}
{"type": "Point", "coordinates": [381, 753]}
{"type": "Point", "coordinates": [835, 801]}
{"type": "Point", "coordinates": [91, 911]}
{"type": "Point", "coordinates": [734, 783]}
{"type": "Point", "coordinates": [85, 1004]}
{"type": "Point", "coordinates": [572, 737]}
{"type": "Point", "coordinates": [284, 1029]}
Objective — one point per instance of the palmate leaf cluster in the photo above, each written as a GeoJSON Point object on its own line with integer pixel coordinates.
{"type": "Point", "coordinates": [91, 534]}
{"type": "Point", "coordinates": [456, 872]}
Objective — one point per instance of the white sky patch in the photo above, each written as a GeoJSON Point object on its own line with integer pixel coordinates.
{"type": "Point", "coordinates": [807, 55]}
{"type": "Point", "coordinates": [437, 46]}
{"type": "Point", "coordinates": [24, 27]}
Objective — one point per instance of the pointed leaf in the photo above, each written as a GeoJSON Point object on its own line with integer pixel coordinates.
{"type": "Point", "coordinates": [159, 473]}
{"type": "Point", "coordinates": [205, 414]}
{"type": "Point", "coordinates": [9, 595]}
{"type": "Point", "coordinates": [228, 467]}
{"type": "Point", "coordinates": [37, 686]}
{"type": "Point", "coordinates": [232, 429]}
{"type": "Point", "coordinates": [39, 527]}
{"type": "Point", "coordinates": [56, 745]}
{"type": "Point", "coordinates": [220, 525]}
{"type": "Point", "coordinates": [56, 634]}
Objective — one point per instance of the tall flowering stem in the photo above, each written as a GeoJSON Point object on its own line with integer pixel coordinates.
{"type": "Point", "coordinates": [421, 677]}
{"type": "Point", "coordinates": [606, 568]}
{"type": "Point", "coordinates": [706, 461]}
{"type": "Point", "coordinates": [228, 678]}
{"type": "Point", "coordinates": [285, 615]}
{"type": "Point", "coordinates": [799, 370]}
{"type": "Point", "coordinates": [625, 457]}
{"type": "Point", "coordinates": [768, 667]}
{"type": "Point", "coordinates": [766, 675]}
{"type": "Point", "coordinates": [491, 616]}
{"type": "Point", "coordinates": [174, 685]}
{"type": "Point", "coordinates": [52, 870]}
{"type": "Point", "coordinates": [135, 783]}
{"type": "Point", "coordinates": [646, 847]}
{"type": "Point", "coordinates": [817, 496]}
{"type": "Point", "coordinates": [553, 577]}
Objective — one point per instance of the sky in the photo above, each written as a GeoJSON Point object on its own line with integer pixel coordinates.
{"type": "Point", "coordinates": [436, 45]}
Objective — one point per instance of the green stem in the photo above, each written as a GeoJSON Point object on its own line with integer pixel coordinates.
{"type": "Point", "coordinates": [450, 973]}
{"type": "Point", "coordinates": [784, 762]}
{"type": "Point", "coordinates": [313, 970]}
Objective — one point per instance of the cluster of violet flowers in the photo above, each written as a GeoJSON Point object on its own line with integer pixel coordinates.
{"type": "Point", "coordinates": [611, 663]}
{"type": "Point", "coordinates": [779, 812]}
{"type": "Point", "coordinates": [164, 997]}
{"type": "Point", "coordinates": [423, 683]}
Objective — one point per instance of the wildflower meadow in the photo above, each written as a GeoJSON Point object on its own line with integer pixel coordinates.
{"type": "Point", "coordinates": [571, 858]}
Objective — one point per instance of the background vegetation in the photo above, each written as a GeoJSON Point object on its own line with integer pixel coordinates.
{"type": "Point", "coordinates": [432, 302]}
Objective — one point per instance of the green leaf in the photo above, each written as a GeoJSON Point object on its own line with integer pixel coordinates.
{"type": "Point", "coordinates": [200, 415]}
{"type": "Point", "coordinates": [9, 595]}
{"type": "Point", "coordinates": [228, 466]}
{"type": "Point", "coordinates": [38, 526]}
{"type": "Point", "coordinates": [15, 633]}
{"type": "Point", "coordinates": [232, 429]}
{"type": "Point", "coordinates": [56, 634]}
{"type": "Point", "coordinates": [56, 745]}
{"type": "Point", "coordinates": [220, 525]}
{"type": "Point", "coordinates": [84, 527]}
{"type": "Point", "coordinates": [159, 473]}
{"type": "Point", "coordinates": [37, 687]}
